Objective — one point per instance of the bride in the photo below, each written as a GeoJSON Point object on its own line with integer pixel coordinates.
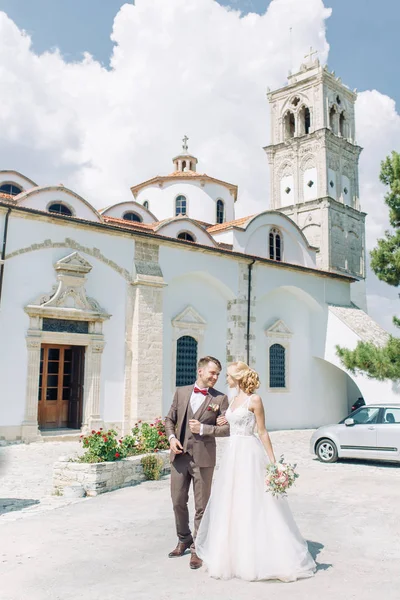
{"type": "Point", "coordinates": [246, 532]}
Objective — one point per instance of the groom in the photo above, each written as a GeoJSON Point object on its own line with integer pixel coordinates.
{"type": "Point", "coordinates": [191, 427]}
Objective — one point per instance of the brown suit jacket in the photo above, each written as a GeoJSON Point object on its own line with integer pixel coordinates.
{"type": "Point", "coordinates": [203, 447]}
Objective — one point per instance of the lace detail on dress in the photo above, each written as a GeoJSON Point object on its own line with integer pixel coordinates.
{"type": "Point", "coordinates": [241, 420]}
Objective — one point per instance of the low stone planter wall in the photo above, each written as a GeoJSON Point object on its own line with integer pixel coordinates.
{"type": "Point", "coordinates": [98, 478]}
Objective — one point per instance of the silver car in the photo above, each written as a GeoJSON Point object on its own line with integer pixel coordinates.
{"type": "Point", "coordinates": [370, 432]}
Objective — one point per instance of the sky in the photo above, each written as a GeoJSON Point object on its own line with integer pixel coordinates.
{"type": "Point", "coordinates": [97, 95]}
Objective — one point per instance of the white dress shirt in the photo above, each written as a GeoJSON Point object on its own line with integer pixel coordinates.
{"type": "Point", "coordinates": [196, 400]}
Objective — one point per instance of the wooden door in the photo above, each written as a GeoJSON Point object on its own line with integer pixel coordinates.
{"type": "Point", "coordinates": [56, 384]}
{"type": "Point", "coordinates": [76, 391]}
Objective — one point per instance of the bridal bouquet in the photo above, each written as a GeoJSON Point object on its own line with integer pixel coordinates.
{"type": "Point", "coordinates": [280, 477]}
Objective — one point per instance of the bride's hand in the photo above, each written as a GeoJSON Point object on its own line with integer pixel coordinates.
{"type": "Point", "coordinates": [222, 420]}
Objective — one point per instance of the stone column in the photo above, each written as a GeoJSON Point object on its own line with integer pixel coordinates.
{"type": "Point", "coordinates": [92, 416]}
{"type": "Point", "coordinates": [30, 429]}
{"type": "Point", "coordinates": [236, 347]}
{"type": "Point", "coordinates": [147, 335]}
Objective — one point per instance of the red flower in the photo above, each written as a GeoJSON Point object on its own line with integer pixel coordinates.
{"type": "Point", "coordinates": [98, 433]}
{"type": "Point", "coordinates": [209, 408]}
{"type": "Point", "coordinates": [101, 429]}
{"type": "Point", "coordinates": [151, 425]}
{"type": "Point", "coordinates": [105, 439]}
{"type": "Point", "coordinates": [155, 450]}
{"type": "Point", "coordinates": [120, 441]}
{"type": "Point", "coordinates": [140, 420]}
{"type": "Point", "coordinates": [117, 455]}
{"type": "Point", "coordinates": [160, 433]}
{"type": "Point", "coordinates": [93, 431]}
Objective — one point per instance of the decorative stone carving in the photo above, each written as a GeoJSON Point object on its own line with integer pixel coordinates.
{"type": "Point", "coordinates": [279, 330]}
{"type": "Point", "coordinates": [69, 295]}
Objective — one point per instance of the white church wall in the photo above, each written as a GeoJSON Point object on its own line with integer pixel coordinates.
{"type": "Point", "coordinates": [201, 201]}
{"type": "Point", "coordinates": [206, 283]}
{"type": "Point", "coordinates": [346, 191]}
{"type": "Point", "coordinates": [257, 243]}
{"type": "Point", "coordinates": [26, 277]}
{"type": "Point", "coordinates": [287, 194]}
{"type": "Point", "coordinates": [25, 231]}
{"type": "Point", "coordinates": [30, 274]}
{"type": "Point", "coordinates": [41, 199]}
{"type": "Point", "coordinates": [292, 407]}
{"type": "Point", "coordinates": [17, 178]}
{"type": "Point", "coordinates": [226, 237]}
{"type": "Point", "coordinates": [254, 239]}
{"type": "Point", "coordinates": [174, 228]}
{"type": "Point", "coordinates": [338, 333]}
{"type": "Point", "coordinates": [118, 211]}
{"type": "Point", "coordinates": [310, 184]}
{"type": "Point", "coordinates": [332, 189]}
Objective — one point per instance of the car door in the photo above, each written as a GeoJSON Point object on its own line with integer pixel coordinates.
{"type": "Point", "coordinates": [360, 440]}
{"type": "Point", "coordinates": [388, 434]}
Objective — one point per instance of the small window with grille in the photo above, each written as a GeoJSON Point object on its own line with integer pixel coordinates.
{"type": "Point", "coordinates": [275, 244]}
{"type": "Point", "coordinates": [277, 366]}
{"type": "Point", "coordinates": [186, 360]}
{"type": "Point", "coordinates": [220, 212]}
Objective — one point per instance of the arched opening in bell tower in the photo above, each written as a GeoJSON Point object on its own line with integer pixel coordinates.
{"type": "Point", "coordinates": [290, 125]}
{"type": "Point", "coordinates": [342, 125]}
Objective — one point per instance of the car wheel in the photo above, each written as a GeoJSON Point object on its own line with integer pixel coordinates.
{"type": "Point", "coordinates": [326, 451]}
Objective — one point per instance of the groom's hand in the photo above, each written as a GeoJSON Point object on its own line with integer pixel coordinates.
{"type": "Point", "coordinates": [194, 426]}
{"type": "Point", "coordinates": [176, 446]}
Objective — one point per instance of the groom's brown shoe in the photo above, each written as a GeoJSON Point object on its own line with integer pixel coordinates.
{"type": "Point", "coordinates": [195, 561]}
{"type": "Point", "coordinates": [180, 549]}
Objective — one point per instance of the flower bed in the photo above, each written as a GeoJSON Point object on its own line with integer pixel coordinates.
{"type": "Point", "coordinates": [98, 478]}
{"type": "Point", "coordinates": [111, 462]}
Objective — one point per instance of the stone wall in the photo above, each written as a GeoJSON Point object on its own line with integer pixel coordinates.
{"type": "Point", "coordinates": [99, 478]}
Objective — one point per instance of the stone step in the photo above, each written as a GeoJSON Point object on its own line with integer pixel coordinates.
{"type": "Point", "coordinates": [61, 435]}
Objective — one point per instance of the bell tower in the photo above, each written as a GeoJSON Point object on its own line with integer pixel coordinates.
{"type": "Point", "coordinates": [313, 157]}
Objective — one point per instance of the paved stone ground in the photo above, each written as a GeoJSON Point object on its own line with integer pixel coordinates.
{"type": "Point", "coordinates": [114, 546]}
{"type": "Point", "coordinates": [26, 472]}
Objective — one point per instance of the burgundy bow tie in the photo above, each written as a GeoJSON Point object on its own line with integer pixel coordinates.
{"type": "Point", "coordinates": [199, 391]}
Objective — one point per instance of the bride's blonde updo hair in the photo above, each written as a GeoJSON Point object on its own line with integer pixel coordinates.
{"type": "Point", "coordinates": [246, 377]}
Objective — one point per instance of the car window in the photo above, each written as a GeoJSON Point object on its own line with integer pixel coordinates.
{"type": "Point", "coordinates": [391, 415]}
{"type": "Point", "coordinates": [365, 416]}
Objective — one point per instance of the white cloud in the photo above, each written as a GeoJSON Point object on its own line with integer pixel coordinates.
{"type": "Point", "coordinates": [181, 66]}
{"type": "Point", "coordinates": [378, 127]}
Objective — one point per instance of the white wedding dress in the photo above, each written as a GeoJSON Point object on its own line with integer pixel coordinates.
{"type": "Point", "coordinates": [246, 532]}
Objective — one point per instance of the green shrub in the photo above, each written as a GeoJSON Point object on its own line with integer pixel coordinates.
{"type": "Point", "coordinates": [152, 466]}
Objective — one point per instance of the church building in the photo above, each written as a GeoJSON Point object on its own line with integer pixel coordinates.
{"type": "Point", "coordinates": [104, 312]}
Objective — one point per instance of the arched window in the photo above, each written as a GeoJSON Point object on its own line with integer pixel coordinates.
{"type": "Point", "coordinates": [307, 120]}
{"type": "Point", "coordinates": [146, 204]}
{"type": "Point", "coordinates": [60, 209]}
{"type": "Point", "coordinates": [10, 188]}
{"type": "Point", "coordinates": [220, 211]}
{"type": "Point", "coordinates": [333, 120]}
{"type": "Point", "coordinates": [275, 244]}
{"type": "Point", "coordinates": [304, 120]}
{"type": "Point", "coordinates": [290, 125]}
{"type": "Point", "coordinates": [342, 125]}
{"type": "Point", "coordinates": [180, 206]}
{"type": "Point", "coordinates": [131, 216]}
{"type": "Point", "coordinates": [186, 236]}
{"type": "Point", "coordinates": [186, 360]}
{"type": "Point", "coordinates": [277, 366]}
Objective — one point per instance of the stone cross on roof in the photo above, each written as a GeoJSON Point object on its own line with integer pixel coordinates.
{"type": "Point", "coordinates": [311, 54]}
{"type": "Point", "coordinates": [185, 145]}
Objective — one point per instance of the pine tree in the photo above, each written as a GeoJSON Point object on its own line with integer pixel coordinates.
{"type": "Point", "coordinates": [382, 362]}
